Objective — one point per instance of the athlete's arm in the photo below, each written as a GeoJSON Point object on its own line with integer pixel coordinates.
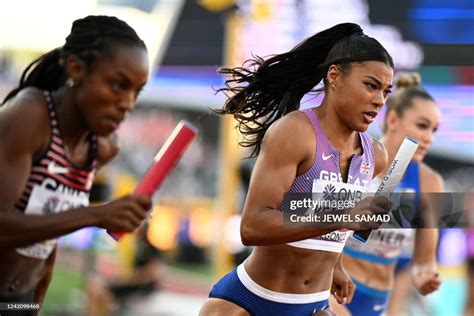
{"type": "Point", "coordinates": [288, 150]}
{"type": "Point", "coordinates": [283, 152]}
{"type": "Point", "coordinates": [108, 149]}
{"type": "Point", "coordinates": [24, 126]}
{"type": "Point", "coordinates": [425, 271]}
{"type": "Point", "coordinates": [342, 286]}
{"type": "Point", "coordinates": [426, 240]}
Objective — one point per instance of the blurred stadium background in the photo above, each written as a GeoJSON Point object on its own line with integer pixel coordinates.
{"type": "Point", "coordinates": [195, 222]}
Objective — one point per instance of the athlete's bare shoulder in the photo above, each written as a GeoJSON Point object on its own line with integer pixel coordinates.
{"type": "Point", "coordinates": [431, 180]}
{"type": "Point", "coordinates": [291, 135]}
{"type": "Point", "coordinates": [108, 148]}
{"type": "Point", "coordinates": [291, 128]}
{"type": "Point", "coordinates": [295, 119]}
{"type": "Point", "coordinates": [24, 119]}
{"type": "Point", "coordinates": [29, 100]}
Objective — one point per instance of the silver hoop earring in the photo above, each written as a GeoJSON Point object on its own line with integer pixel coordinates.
{"type": "Point", "coordinates": [70, 82]}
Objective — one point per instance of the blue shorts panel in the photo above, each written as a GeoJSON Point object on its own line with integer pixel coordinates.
{"type": "Point", "coordinates": [231, 289]}
{"type": "Point", "coordinates": [402, 264]}
{"type": "Point", "coordinates": [368, 257]}
{"type": "Point", "coordinates": [368, 301]}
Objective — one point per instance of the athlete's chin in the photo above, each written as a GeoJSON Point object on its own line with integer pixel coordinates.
{"type": "Point", "coordinates": [363, 127]}
{"type": "Point", "coordinates": [104, 131]}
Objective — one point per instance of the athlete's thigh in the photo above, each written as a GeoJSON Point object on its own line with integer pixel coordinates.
{"type": "Point", "coordinates": [217, 307]}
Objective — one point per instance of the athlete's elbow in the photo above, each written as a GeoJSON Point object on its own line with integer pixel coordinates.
{"type": "Point", "coordinates": [250, 235]}
{"type": "Point", "coordinates": [246, 235]}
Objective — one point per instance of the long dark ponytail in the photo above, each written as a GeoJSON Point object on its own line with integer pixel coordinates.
{"type": "Point", "coordinates": [90, 38]}
{"type": "Point", "coordinates": [262, 91]}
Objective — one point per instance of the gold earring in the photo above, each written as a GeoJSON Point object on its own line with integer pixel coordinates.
{"type": "Point", "coordinates": [332, 84]}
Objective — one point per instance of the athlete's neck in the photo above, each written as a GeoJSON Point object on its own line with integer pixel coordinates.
{"type": "Point", "coordinates": [71, 124]}
{"type": "Point", "coordinates": [339, 135]}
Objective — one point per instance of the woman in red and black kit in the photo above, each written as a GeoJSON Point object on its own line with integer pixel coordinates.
{"type": "Point", "coordinates": [58, 127]}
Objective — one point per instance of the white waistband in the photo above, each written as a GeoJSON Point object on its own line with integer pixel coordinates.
{"type": "Point", "coordinates": [277, 296]}
{"type": "Point", "coordinates": [318, 245]}
{"type": "Point", "coordinates": [333, 241]}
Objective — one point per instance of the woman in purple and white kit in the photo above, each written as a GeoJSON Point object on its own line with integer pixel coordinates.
{"type": "Point", "coordinates": [290, 271]}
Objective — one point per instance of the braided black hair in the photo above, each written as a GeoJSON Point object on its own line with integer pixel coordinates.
{"type": "Point", "coordinates": [91, 38]}
{"type": "Point", "coordinates": [262, 91]}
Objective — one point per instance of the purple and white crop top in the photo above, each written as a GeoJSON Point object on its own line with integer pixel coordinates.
{"type": "Point", "coordinates": [324, 176]}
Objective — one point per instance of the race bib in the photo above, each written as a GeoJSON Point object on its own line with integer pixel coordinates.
{"type": "Point", "coordinates": [45, 201]}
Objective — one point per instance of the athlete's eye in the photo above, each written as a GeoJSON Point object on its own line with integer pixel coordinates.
{"type": "Point", "coordinates": [118, 86]}
{"type": "Point", "coordinates": [371, 86]}
{"type": "Point", "coordinates": [422, 125]}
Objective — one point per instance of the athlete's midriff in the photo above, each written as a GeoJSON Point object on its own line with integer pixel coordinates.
{"type": "Point", "coordinates": [287, 269]}
{"type": "Point", "coordinates": [19, 274]}
{"type": "Point", "coordinates": [374, 275]}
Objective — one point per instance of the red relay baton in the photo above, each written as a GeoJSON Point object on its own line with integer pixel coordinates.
{"type": "Point", "coordinates": [164, 162]}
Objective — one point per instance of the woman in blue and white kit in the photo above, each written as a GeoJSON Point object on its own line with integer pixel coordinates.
{"type": "Point", "coordinates": [411, 112]}
{"type": "Point", "coordinates": [290, 271]}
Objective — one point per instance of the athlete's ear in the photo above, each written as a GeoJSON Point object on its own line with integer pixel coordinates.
{"type": "Point", "coordinates": [75, 69]}
{"type": "Point", "coordinates": [334, 73]}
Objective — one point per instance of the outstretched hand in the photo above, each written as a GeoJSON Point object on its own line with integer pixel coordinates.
{"type": "Point", "coordinates": [124, 214]}
{"type": "Point", "coordinates": [342, 286]}
{"type": "Point", "coordinates": [426, 277]}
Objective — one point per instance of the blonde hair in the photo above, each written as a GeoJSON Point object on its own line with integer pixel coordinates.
{"type": "Point", "coordinates": [407, 79]}
{"type": "Point", "coordinates": [408, 86]}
